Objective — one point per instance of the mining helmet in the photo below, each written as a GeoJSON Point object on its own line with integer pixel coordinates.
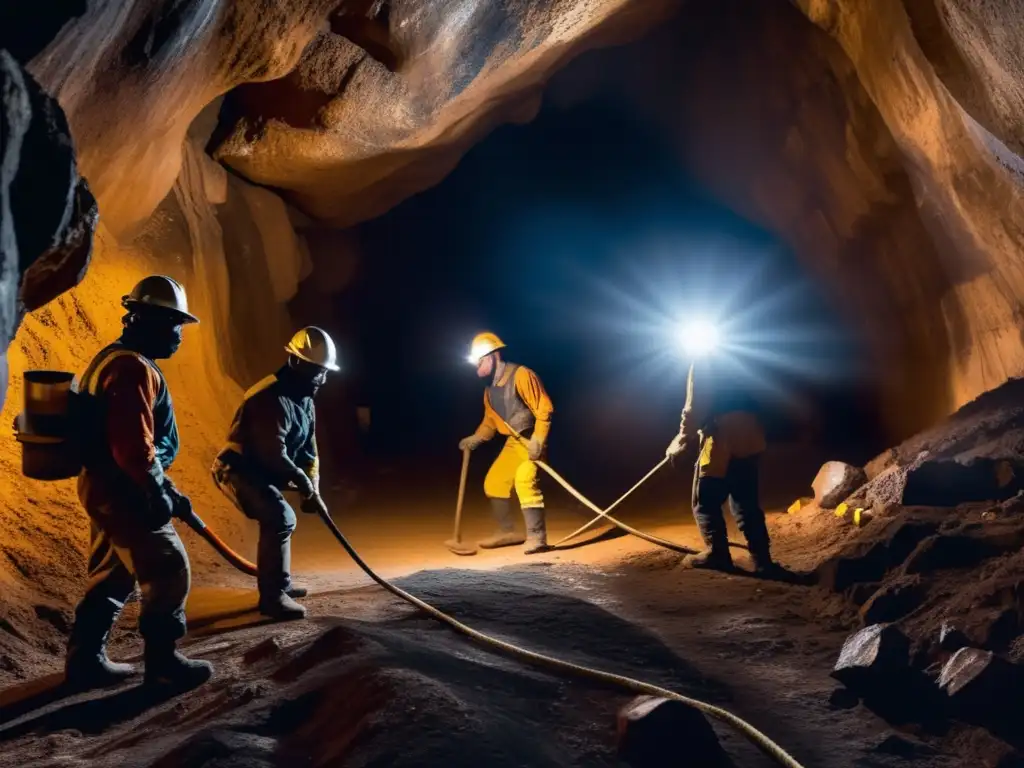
{"type": "Point", "coordinates": [483, 344]}
{"type": "Point", "coordinates": [161, 292]}
{"type": "Point", "coordinates": [315, 346]}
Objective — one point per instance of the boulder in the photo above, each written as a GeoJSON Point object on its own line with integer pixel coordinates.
{"type": "Point", "coordinates": [893, 601]}
{"type": "Point", "coordinates": [980, 684]}
{"type": "Point", "coordinates": [835, 481]}
{"type": "Point", "coordinates": [872, 658]}
{"type": "Point", "coordinates": [951, 638]}
{"type": "Point", "coordinates": [652, 729]}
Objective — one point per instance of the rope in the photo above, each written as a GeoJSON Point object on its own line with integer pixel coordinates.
{"type": "Point", "coordinates": [600, 512]}
{"type": "Point", "coordinates": [760, 740]}
{"type": "Point", "coordinates": [604, 514]}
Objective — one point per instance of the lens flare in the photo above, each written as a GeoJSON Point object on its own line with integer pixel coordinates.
{"type": "Point", "coordinates": [699, 337]}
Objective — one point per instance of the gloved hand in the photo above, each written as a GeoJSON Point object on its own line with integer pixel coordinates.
{"type": "Point", "coordinates": [181, 505]}
{"type": "Point", "coordinates": [534, 449]}
{"type": "Point", "coordinates": [159, 506]}
{"type": "Point", "coordinates": [314, 505]}
{"type": "Point", "coordinates": [676, 447]}
{"type": "Point", "coordinates": [471, 443]}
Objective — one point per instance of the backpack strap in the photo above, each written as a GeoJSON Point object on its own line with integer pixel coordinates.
{"type": "Point", "coordinates": [91, 383]}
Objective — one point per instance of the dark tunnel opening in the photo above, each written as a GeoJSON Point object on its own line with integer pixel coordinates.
{"type": "Point", "coordinates": [587, 245]}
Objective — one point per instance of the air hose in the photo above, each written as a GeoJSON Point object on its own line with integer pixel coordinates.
{"type": "Point", "coordinates": [760, 740]}
{"type": "Point", "coordinates": [193, 521]}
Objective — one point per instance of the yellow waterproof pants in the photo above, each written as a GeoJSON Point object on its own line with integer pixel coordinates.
{"type": "Point", "coordinates": [513, 469]}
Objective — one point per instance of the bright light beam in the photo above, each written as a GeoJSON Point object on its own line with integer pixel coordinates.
{"type": "Point", "coordinates": [699, 337]}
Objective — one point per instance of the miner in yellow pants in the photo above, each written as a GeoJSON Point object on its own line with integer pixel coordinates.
{"type": "Point", "coordinates": [516, 399]}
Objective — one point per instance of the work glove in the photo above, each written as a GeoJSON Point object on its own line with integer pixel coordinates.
{"type": "Point", "coordinates": [676, 447]}
{"type": "Point", "coordinates": [534, 449]}
{"type": "Point", "coordinates": [181, 505]}
{"type": "Point", "coordinates": [159, 505]}
{"type": "Point", "coordinates": [471, 443]}
{"type": "Point", "coordinates": [314, 505]}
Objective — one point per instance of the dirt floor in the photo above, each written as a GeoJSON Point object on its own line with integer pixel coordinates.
{"type": "Point", "coordinates": [369, 681]}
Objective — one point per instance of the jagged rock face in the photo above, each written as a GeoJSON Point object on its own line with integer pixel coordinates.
{"type": "Point", "coordinates": [47, 214]}
{"type": "Point", "coordinates": [346, 139]}
{"type": "Point", "coordinates": [914, 59]}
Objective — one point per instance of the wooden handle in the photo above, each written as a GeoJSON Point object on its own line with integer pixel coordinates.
{"type": "Point", "coordinates": [462, 495]}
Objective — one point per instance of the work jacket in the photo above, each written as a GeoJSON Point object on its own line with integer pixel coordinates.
{"type": "Point", "coordinates": [128, 430]}
{"type": "Point", "coordinates": [273, 433]}
{"type": "Point", "coordinates": [724, 415]}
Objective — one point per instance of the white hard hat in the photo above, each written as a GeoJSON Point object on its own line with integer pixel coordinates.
{"type": "Point", "coordinates": [163, 292]}
{"type": "Point", "coordinates": [315, 346]}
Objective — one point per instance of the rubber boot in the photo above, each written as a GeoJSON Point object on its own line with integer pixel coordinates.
{"type": "Point", "coordinates": [294, 591]}
{"type": "Point", "coordinates": [87, 665]}
{"type": "Point", "coordinates": [167, 668]}
{"type": "Point", "coordinates": [763, 563]}
{"type": "Point", "coordinates": [715, 554]}
{"type": "Point", "coordinates": [281, 607]}
{"type": "Point", "coordinates": [710, 558]}
{"type": "Point", "coordinates": [506, 535]}
{"type": "Point", "coordinates": [536, 531]}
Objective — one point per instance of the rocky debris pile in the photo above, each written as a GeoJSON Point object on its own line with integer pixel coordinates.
{"type": "Point", "coordinates": [935, 580]}
{"type": "Point", "coordinates": [972, 686]}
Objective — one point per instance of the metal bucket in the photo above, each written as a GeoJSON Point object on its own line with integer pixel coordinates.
{"type": "Point", "coordinates": [45, 429]}
{"type": "Point", "coordinates": [47, 402]}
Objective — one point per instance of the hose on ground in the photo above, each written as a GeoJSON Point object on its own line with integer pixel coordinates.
{"type": "Point", "coordinates": [193, 521]}
{"type": "Point", "coordinates": [760, 740]}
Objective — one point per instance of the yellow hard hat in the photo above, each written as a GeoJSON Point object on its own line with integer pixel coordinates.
{"type": "Point", "coordinates": [314, 345]}
{"type": "Point", "coordinates": [483, 344]}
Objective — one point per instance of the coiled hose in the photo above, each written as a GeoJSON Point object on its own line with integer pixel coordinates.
{"type": "Point", "coordinates": [760, 740]}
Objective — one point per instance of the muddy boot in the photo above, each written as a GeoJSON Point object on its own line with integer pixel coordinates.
{"type": "Point", "coordinates": [506, 535]}
{"type": "Point", "coordinates": [711, 558]}
{"type": "Point", "coordinates": [294, 591]}
{"type": "Point", "coordinates": [167, 668]}
{"type": "Point", "coordinates": [536, 531]}
{"type": "Point", "coordinates": [763, 563]}
{"type": "Point", "coordinates": [88, 667]}
{"type": "Point", "coordinates": [281, 607]}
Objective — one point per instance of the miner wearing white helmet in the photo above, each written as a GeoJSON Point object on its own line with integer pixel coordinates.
{"type": "Point", "coordinates": [271, 447]}
{"type": "Point", "coordinates": [129, 439]}
{"type": "Point", "coordinates": [516, 399]}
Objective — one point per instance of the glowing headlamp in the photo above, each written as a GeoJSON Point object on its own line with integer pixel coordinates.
{"type": "Point", "coordinates": [699, 337]}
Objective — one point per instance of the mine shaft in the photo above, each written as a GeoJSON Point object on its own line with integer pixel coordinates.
{"type": "Point", "coordinates": [627, 383]}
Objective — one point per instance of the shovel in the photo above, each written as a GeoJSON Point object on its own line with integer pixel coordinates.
{"type": "Point", "coordinates": [455, 544]}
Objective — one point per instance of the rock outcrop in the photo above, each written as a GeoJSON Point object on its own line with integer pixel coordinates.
{"type": "Point", "coordinates": [47, 214]}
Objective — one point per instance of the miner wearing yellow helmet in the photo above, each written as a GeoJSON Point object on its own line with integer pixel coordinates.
{"type": "Point", "coordinates": [515, 398]}
{"type": "Point", "coordinates": [271, 447]}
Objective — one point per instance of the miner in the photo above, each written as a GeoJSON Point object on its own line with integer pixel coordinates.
{"type": "Point", "coordinates": [271, 447]}
{"type": "Point", "coordinates": [721, 417]}
{"type": "Point", "coordinates": [514, 399]}
{"type": "Point", "coordinates": [129, 439]}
